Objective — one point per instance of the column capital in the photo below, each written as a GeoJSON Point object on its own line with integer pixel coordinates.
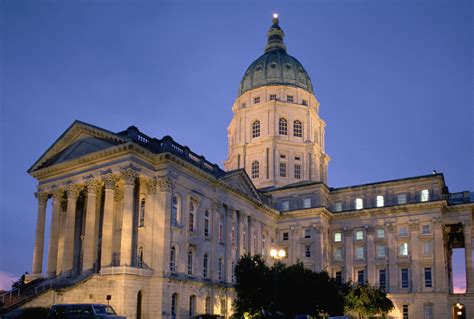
{"type": "Point", "coordinates": [216, 205]}
{"type": "Point", "coordinates": [73, 190]}
{"type": "Point", "coordinates": [347, 231]}
{"type": "Point", "coordinates": [92, 186]}
{"type": "Point", "coordinates": [369, 229]}
{"type": "Point", "coordinates": [167, 183]}
{"type": "Point", "coordinates": [151, 186]}
{"type": "Point", "coordinates": [109, 180]}
{"type": "Point", "coordinates": [57, 193]}
{"type": "Point", "coordinates": [129, 175]}
{"type": "Point", "coordinates": [294, 228]}
{"type": "Point", "coordinates": [414, 224]}
{"type": "Point", "coordinates": [390, 227]}
{"type": "Point", "coordinates": [318, 227]}
{"type": "Point", "coordinates": [42, 197]}
{"type": "Point", "coordinates": [437, 222]}
{"type": "Point", "coordinates": [119, 194]}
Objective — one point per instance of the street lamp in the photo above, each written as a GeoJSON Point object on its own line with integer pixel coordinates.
{"type": "Point", "coordinates": [276, 255]}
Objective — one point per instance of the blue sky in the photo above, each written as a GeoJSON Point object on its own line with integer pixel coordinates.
{"type": "Point", "coordinates": [394, 78]}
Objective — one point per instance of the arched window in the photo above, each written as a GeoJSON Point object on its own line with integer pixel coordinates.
{"type": "Point", "coordinates": [190, 262]}
{"type": "Point", "coordinates": [141, 217]}
{"type": "Point", "coordinates": [139, 304]}
{"type": "Point", "coordinates": [205, 261]}
{"type": "Point", "coordinates": [192, 306]}
{"type": "Point", "coordinates": [175, 210]}
{"type": "Point", "coordinates": [192, 214]}
{"type": "Point", "coordinates": [220, 269]}
{"type": "Point", "coordinates": [140, 257]}
{"type": "Point", "coordinates": [255, 169]}
{"type": "Point", "coordinates": [297, 129]}
{"type": "Point", "coordinates": [256, 129]}
{"type": "Point", "coordinates": [283, 126]}
{"type": "Point", "coordinates": [174, 305]}
{"type": "Point", "coordinates": [173, 259]}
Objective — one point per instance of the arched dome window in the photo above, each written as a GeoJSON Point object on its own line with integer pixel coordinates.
{"type": "Point", "coordinates": [256, 129]}
{"type": "Point", "coordinates": [255, 169]}
{"type": "Point", "coordinates": [297, 129]}
{"type": "Point", "coordinates": [283, 126]}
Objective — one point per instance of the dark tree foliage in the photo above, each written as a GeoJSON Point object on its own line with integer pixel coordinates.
{"type": "Point", "coordinates": [366, 300]}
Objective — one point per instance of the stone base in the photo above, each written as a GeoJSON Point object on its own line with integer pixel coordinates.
{"type": "Point", "coordinates": [31, 277]}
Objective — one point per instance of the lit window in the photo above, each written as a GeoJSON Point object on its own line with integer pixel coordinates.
{"type": "Point", "coordinates": [255, 169]}
{"type": "Point", "coordinates": [403, 231]}
{"type": "Point", "coordinates": [427, 247]}
{"type": "Point", "coordinates": [285, 205]}
{"type": "Point", "coordinates": [359, 235]}
{"type": "Point", "coordinates": [425, 229]}
{"type": "Point", "coordinates": [405, 279]}
{"type": "Point", "coordinates": [359, 203]}
{"type": "Point", "coordinates": [360, 277]}
{"type": "Point", "coordinates": [338, 206]}
{"type": "Point", "coordinates": [282, 169]}
{"type": "Point", "coordinates": [428, 278]}
{"type": "Point", "coordinates": [173, 259]}
{"type": "Point", "coordinates": [220, 269]}
{"type": "Point", "coordinates": [174, 304]}
{"type": "Point", "coordinates": [141, 221]}
{"type": "Point", "coordinates": [382, 279]}
{"type": "Point", "coordinates": [255, 129]}
{"type": "Point", "coordinates": [206, 224]}
{"type": "Point", "coordinates": [289, 98]}
{"type": "Point", "coordinates": [297, 129]}
{"type": "Point", "coordinates": [256, 100]}
{"type": "Point", "coordinates": [307, 203]}
{"type": "Point", "coordinates": [307, 233]}
{"type": "Point", "coordinates": [338, 254]}
{"type": "Point", "coordinates": [192, 306]}
{"type": "Point", "coordinates": [380, 233]}
{"type": "Point", "coordinates": [405, 311]}
{"type": "Point", "coordinates": [404, 249]}
{"type": "Point", "coordinates": [381, 251]}
{"type": "Point", "coordinates": [285, 236]}
{"type": "Point", "coordinates": [304, 102]}
{"type": "Point", "coordinates": [297, 171]}
{"type": "Point", "coordinates": [359, 252]}
{"type": "Point", "coordinates": [380, 201]}
{"type": "Point", "coordinates": [401, 199]}
{"type": "Point", "coordinates": [307, 251]}
{"type": "Point", "coordinates": [338, 237]}
{"type": "Point", "coordinates": [425, 195]}
{"type": "Point", "coordinates": [205, 261]}
{"type": "Point", "coordinates": [283, 126]}
{"type": "Point", "coordinates": [190, 262]}
{"type": "Point", "coordinates": [273, 97]}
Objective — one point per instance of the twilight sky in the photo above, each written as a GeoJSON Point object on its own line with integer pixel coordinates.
{"type": "Point", "coordinates": [394, 78]}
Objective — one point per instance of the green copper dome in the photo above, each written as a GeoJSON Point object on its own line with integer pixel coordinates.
{"type": "Point", "coordinates": [276, 66]}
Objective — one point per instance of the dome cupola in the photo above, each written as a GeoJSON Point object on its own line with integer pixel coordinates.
{"type": "Point", "coordinates": [275, 66]}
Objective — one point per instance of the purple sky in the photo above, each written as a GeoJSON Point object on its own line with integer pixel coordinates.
{"type": "Point", "coordinates": [394, 78]}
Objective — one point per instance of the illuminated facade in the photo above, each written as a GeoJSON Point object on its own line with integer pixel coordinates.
{"type": "Point", "coordinates": [159, 229]}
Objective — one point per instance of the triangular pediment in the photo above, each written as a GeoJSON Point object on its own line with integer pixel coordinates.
{"type": "Point", "coordinates": [240, 181]}
{"type": "Point", "coordinates": [80, 139]}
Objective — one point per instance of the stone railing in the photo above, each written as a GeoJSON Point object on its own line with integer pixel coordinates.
{"type": "Point", "coordinates": [126, 270]}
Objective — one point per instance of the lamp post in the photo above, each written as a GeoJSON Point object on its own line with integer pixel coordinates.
{"type": "Point", "coordinates": [276, 255]}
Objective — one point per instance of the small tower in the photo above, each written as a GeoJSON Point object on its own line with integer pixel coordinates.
{"type": "Point", "coordinates": [276, 133]}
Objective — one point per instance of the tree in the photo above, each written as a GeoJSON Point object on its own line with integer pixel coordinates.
{"type": "Point", "coordinates": [366, 300]}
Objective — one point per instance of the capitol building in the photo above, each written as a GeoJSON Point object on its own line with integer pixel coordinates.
{"type": "Point", "coordinates": [156, 230]}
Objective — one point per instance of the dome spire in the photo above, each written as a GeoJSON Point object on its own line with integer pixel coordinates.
{"type": "Point", "coordinates": [275, 36]}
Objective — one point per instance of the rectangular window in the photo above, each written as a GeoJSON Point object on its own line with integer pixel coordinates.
{"type": "Point", "coordinates": [404, 249]}
{"type": "Point", "coordinates": [405, 279]}
{"type": "Point", "coordinates": [425, 195]}
{"type": "Point", "coordinates": [428, 278]}
{"type": "Point", "coordinates": [360, 277]}
{"type": "Point", "coordinates": [191, 222]}
{"type": "Point", "coordinates": [381, 251]}
{"type": "Point", "coordinates": [273, 97]}
{"type": "Point", "coordinates": [380, 201]}
{"type": "Point", "coordinates": [401, 199]}
{"type": "Point", "coordinates": [359, 252]}
{"type": "Point", "coordinates": [405, 311]}
{"type": "Point", "coordinates": [285, 205]}
{"type": "Point", "coordinates": [339, 277]}
{"type": "Point", "coordinates": [289, 98]}
{"type": "Point", "coordinates": [425, 229]}
{"type": "Point", "coordinates": [221, 232]}
{"type": "Point", "coordinates": [256, 100]}
{"type": "Point", "coordinates": [307, 251]}
{"type": "Point", "coordinates": [338, 237]}
{"type": "Point", "coordinates": [403, 231]}
{"type": "Point", "coordinates": [282, 169]}
{"type": "Point", "coordinates": [338, 206]}
{"type": "Point", "coordinates": [282, 156]}
{"type": "Point", "coordinates": [304, 102]}
{"type": "Point", "coordinates": [206, 224]}
{"type": "Point", "coordinates": [382, 279]}
{"type": "Point", "coordinates": [307, 203]}
{"type": "Point", "coordinates": [338, 254]}
{"type": "Point", "coordinates": [307, 233]}
{"type": "Point", "coordinates": [359, 235]}
{"type": "Point", "coordinates": [297, 171]}
{"type": "Point", "coordinates": [359, 203]}
{"type": "Point", "coordinates": [297, 158]}
{"type": "Point", "coordinates": [380, 233]}
{"type": "Point", "coordinates": [285, 236]}
{"type": "Point", "coordinates": [427, 247]}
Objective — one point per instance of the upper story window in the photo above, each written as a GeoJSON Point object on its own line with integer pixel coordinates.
{"type": "Point", "coordinates": [205, 262]}
{"type": "Point", "coordinates": [405, 278]}
{"type": "Point", "coordinates": [359, 252]}
{"type": "Point", "coordinates": [206, 224]}
{"type": "Point", "coordinates": [256, 129]}
{"type": "Point", "coordinates": [173, 259]}
{"type": "Point", "coordinates": [425, 229]}
{"type": "Point", "coordinates": [282, 169]}
{"type": "Point", "coordinates": [192, 214]}
{"type": "Point", "coordinates": [338, 254]}
{"type": "Point", "coordinates": [380, 233]}
{"type": "Point", "coordinates": [256, 100]}
{"type": "Point", "coordinates": [337, 237]}
{"type": "Point", "coordinates": [220, 269]}
{"type": "Point", "coordinates": [337, 206]}
{"type": "Point", "coordinates": [273, 97]}
{"type": "Point", "coordinates": [297, 129]}
{"type": "Point", "coordinates": [359, 235]}
{"type": "Point", "coordinates": [401, 199]}
{"type": "Point", "coordinates": [427, 247]}
{"type": "Point", "coordinates": [381, 251]}
{"type": "Point", "coordinates": [285, 205]}
{"type": "Point", "coordinates": [221, 232]}
{"type": "Point", "coordinates": [190, 262]}
{"type": "Point", "coordinates": [289, 98]}
{"type": "Point", "coordinates": [175, 210]}
{"type": "Point", "coordinates": [307, 203]}
{"type": "Point", "coordinates": [285, 236]}
{"type": "Point", "coordinates": [307, 251]}
{"type": "Point", "coordinates": [283, 126]}
{"type": "Point", "coordinates": [425, 195]}
{"type": "Point", "coordinates": [297, 171]}
{"type": "Point", "coordinates": [359, 203]}
{"type": "Point", "coordinates": [428, 277]}
{"type": "Point", "coordinates": [380, 201]}
{"type": "Point", "coordinates": [403, 249]}
{"type": "Point", "coordinates": [255, 169]}
{"type": "Point", "coordinates": [141, 219]}
{"type": "Point", "coordinates": [307, 233]}
{"type": "Point", "coordinates": [403, 231]}
{"type": "Point", "coordinates": [304, 102]}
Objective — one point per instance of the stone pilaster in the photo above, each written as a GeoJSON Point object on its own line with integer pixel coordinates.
{"type": "Point", "coordinates": [54, 232]}
{"type": "Point", "coordinates": [89, 257]}
{"type": "Point", "coordinates": [151, 186]}
{"type": "Point", "coordinates": [468, 251]}
{"type": "Point", "coordinates": [129, 176]}
{"type": "Point", "coordinates": [415, 255]}
{"type": "Point", "coordinates": [371, 274]}
{"type": "Point", "coordinates": [392, 258]}
{"type": "Point", "coordinates": [348, 256]}
{"type": "Point", "coordinates": [228, 243]}
{"type": "Point", "coordinates": [39, 238]}
{"type": "Point", "coordinates": [318, 232]}
{"type": "Point", "coordinates": [69, 231]}
{"type": "Point", "coordinates": [108, 221]}
{"type": "Point", "coordinates": [440, 268]}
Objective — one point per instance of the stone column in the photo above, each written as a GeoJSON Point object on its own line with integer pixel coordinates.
{"type": "Point", "coordinates": [148, 250]}
{"type": "Point", "coordinates": [415, 255]}
{"type": "Point", "coordinates": [129, 176]}
{"type": "Point", "coordinates": [295, 244]}
{"type": "Point", "coordinates": [54, 232]}
{"type": "Point", "coordinates": [68, 252]}
{"type": "Point", "coordinates": [228, 243]}
{"type": "Point", "coordinates": [39, 238]}
{"type": "Point", "coordinates": [440, 270]}
{"type": "Point", "coordinates": [467, 229]}
{"type": "Point", "coordinates": [108, 222]}
{"type": "Point", "coordinates": [240, 230]}
{"type": "Point", "coordinates": [392, 258]}
{"type": "Point", "coordinates": [318, 246]}
{"type": "Point", "coordinates": [371, 275]}
{"type": "Point", "coordinates": [89, 258]}
{"type": "Point", "coordinates": [348, 258]}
